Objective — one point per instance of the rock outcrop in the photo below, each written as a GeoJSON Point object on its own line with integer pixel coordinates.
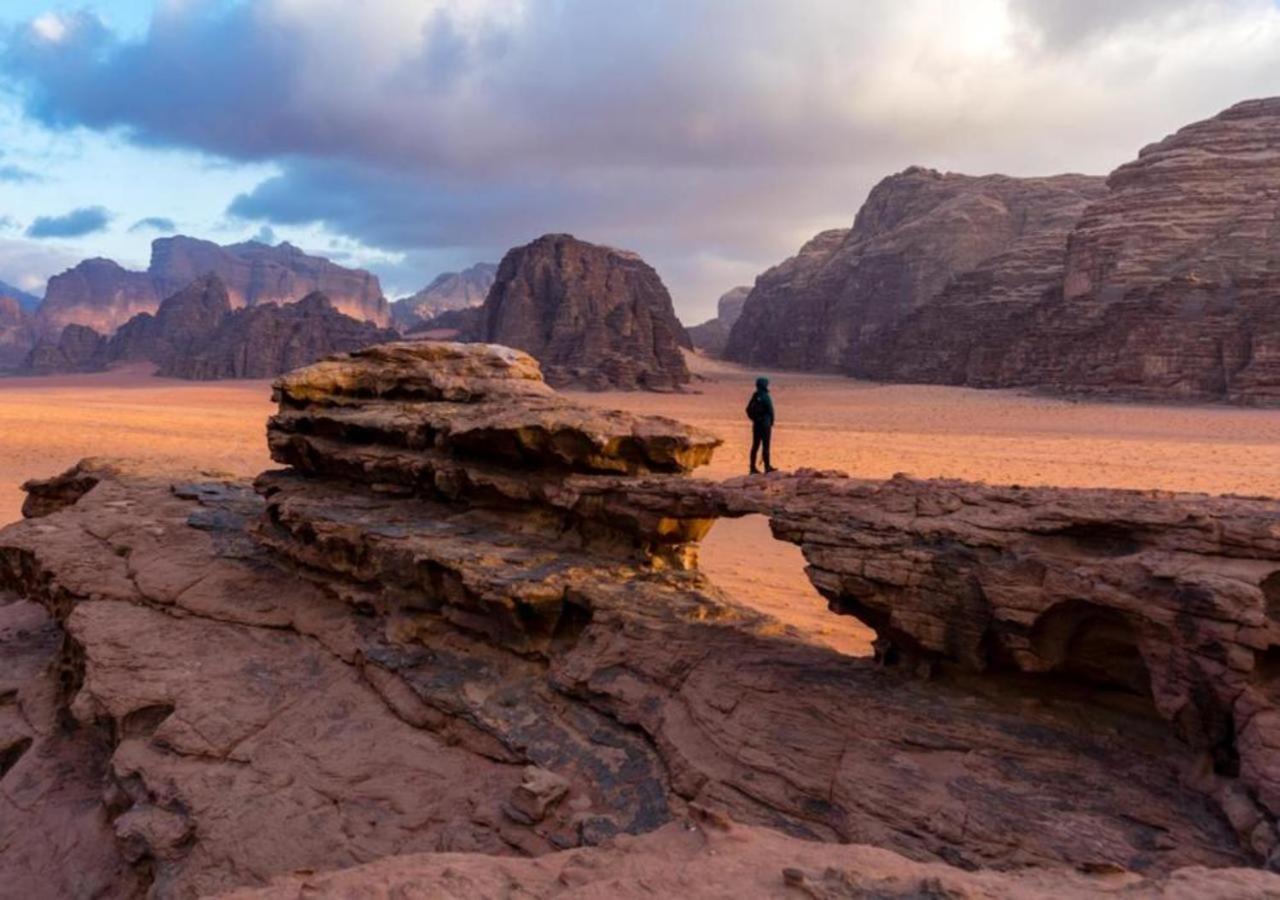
{"type": "Point", "coordinates": [468, 617]}
{"type": "Point", "coordinates": [268, 340]}
{"type": "Point", "coordinates": [712, 335]}
{"type": "Point", "coordinates": [195, 334]}
{"type": "Point", "coordinates": [449, 291]}
{"type": "Point", "coordinates": [17, 333]}
{"type": "Point", "coordinates": [917, 231]}
{"type": "Point", "coordinates": [1162, 288]}
{"type": "Point", "coordinates": [100, 294]}
{"type": "Point", "coordinates": [591, 315]}
{"type": "Point", "coordinates": [77, 349]}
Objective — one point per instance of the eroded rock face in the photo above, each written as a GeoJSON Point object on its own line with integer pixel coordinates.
{"type": "Point", "coordinates": [468, 618]}
{"type": "Point", "coordinates": [266, 340]}
{"type": "Point", "coordinates": [17, 333]}
{"type": "Point", "coordinates": [591, 315]}
{"type": "Point", "coordinates": [100, 294]}
{"type": "Point", "coordinates": [711, 336]}
{"type": "Point", "coordinates": [917, 231]}
{"type": "Point", "coordinates": [450, 291]}
{"type": "Point", "coordinates": [197, 335]}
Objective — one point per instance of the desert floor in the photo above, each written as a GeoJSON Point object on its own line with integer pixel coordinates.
{"type": "Point", "coordinates": [869, 430]}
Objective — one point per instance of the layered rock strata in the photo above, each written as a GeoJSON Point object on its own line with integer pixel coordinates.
{"type": "Point", "coordinates": [590, 314]}
{"type": "Point", "coordinates": [918, 230]}
{"type": "Point", "coordinates": [102, 295]}
{"type": "Point", "coordinates": [468, 618]}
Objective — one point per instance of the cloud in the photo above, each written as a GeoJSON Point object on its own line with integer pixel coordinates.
{"type": "Point", "coordinates": [77, 223]}
{"type": "Point", "coordinates": [27, 264]}
{"type": "Point", "coordinates": [11, 174]}
{"type": "Point", "coordinates": [266, 235]}
{"type": "Point", "coordinates": [713, 136]}
{"type": "Point", "coordinates": [154, 223]}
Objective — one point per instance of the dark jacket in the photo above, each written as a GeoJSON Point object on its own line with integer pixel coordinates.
{"type": "Point", "coordinates": [761, 404]}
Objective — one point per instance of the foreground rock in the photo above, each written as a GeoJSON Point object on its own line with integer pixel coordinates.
{"type": "Point", "coordinates": [711, 336]}
{"type": "Point", "coordinates": [468, 619]}
{"type": "Point", "coordinates": [712, 857]}
{"type": "Point", "coordinates": [918, 230]}
{"type": "Point", "coordinates": [591, 315]}
{"type": "Point", "coordinates": [101, 295]}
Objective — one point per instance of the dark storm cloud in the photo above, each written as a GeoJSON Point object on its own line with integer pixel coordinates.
{"type": "Point", "coordinates": [712, 136]}
{"type": "Point", "coordinates": [154, 223]}
{"type": "Point", "coordinates": [77, 223]}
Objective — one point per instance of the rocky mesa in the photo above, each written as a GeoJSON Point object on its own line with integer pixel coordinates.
{"type": "Point", "coordinates": [590, 314]}
{"type": "Point", "coordinates": [102, 295]}
{"type": "Point", "coordinates": [711, 336]}
{"type": "Point", "coordinates": [466, 620]}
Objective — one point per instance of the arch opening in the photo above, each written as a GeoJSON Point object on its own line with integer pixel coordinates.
{"type": "Point", "coordinates": [743, 558]}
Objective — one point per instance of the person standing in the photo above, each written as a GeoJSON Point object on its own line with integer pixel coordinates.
{"type": "Point", "coordinates": [760, 412]}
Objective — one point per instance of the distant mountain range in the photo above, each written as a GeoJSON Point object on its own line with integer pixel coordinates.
{"type": "Point", "coordinates": [449, 291]}
{"type": "Point", "coordinates": [103, 295]}
{"type": "Point", "coordinates": [27, 302]}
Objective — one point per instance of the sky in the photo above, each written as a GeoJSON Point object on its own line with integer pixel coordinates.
{"type": "Point", "coordinates": [713, 137]}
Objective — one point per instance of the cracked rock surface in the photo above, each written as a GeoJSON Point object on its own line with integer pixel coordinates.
{"type": "Point", "coordinates": [412, 642]}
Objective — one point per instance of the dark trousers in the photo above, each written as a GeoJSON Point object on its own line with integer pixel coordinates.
{"type": "Point", "coordinates": [760, 436]}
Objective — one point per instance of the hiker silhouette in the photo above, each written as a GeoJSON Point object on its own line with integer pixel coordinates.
{"type": "Point", "coordinates": [760, 412]}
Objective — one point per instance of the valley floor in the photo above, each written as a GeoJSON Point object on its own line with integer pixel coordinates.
{"type": "Point", "coordinates": [828, 422]}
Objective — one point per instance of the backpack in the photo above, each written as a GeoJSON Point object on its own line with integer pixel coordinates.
{"type": "Point", "coordinates": [755, 408]}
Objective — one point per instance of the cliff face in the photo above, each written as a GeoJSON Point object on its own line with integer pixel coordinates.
{"type": "Point", "coordinates": [17, 333]}
{"type": "Point", "coordinates": [591, 315]}
{"type": "Point", "coordinates": [448, 292]}
{"type": "Point", "coordinates": [196, 334]}
{"type": "Point", "coordinates": [1164, 288]}
{"type": "Point", "coordinates": [711, 336]}
{"type": "Point", "coordinates": [467, 617]}
{"type": "Point", "coordinates": [268, 340]}
{"type": "Point", "coordinates": [98, 294]}
{"type": "Point", "coordinates": [917, 230]}
{"type": "Point", "coordinates": [256, 273]}
{"type": "Point", "coordinates": [102, 295]}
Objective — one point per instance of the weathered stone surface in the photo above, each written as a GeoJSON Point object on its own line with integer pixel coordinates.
{"type": "Point", "coordinates": [711, 336]}
{"type": "Point", "coordinates": [100, 294]}
{"type": "Point", "coordinates": [449, 292]}
{"type": "Point", "coordinates": [1166, 599]}
{"type": "Point", "coordinates": [917, 231]}
{"type": "Point", "coordinates": [708, 857]}
{"type": "Point", "coordinates": [362, 657]}
{"type": "Point", "coordinates": [591, 315]}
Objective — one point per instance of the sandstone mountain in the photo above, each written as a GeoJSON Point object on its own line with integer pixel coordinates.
{"type": "Point", "coordinates": [17, 333]}
{"type": "Point", "coordinates": [196, 334]}
{"type": "Point", "coordinates": [265, 341]}
{"type": "Point", "coordinates": [591, 315]}
{"type": "Point", "coordinates": [449, 291]}
{"type": "Point", "coordinates": [465, 624]}
{"type": "Point", "coordinates": [101, 294]}
{"type": "Point", "coordinates": [712, 335]}
{"type": "Point", "coordinates": [28, 302]}
{"type": "Point", "coordinates": [916, 232]}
